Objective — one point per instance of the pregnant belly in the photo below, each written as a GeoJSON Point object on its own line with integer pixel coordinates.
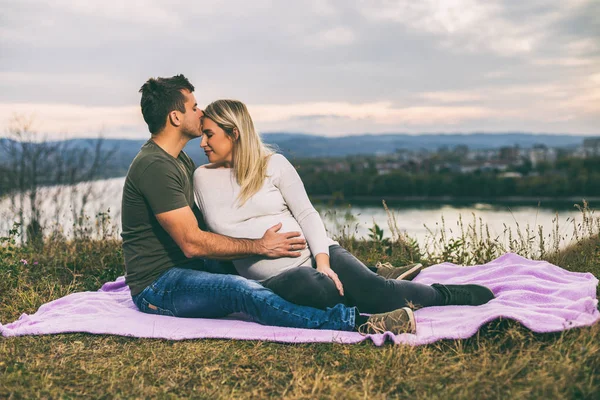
{"type": "Point", "coordinates": [257, 267]}
{"type": "Point", "coordinates": [260, 268]}
{"type": "Point", "coordinates": [254, 228]}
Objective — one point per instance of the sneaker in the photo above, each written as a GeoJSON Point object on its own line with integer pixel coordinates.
{"type": "Point", "coordinates": [398, 321]}
{"type": "Point", "coordinates": [464, 295]}
{"type": "Point", "coordinates": [406, 273]}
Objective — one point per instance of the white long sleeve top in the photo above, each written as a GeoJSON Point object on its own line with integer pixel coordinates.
{"type": "Point", "coordinates": [282, 198]}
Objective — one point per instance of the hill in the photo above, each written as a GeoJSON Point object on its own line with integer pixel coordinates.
{"type": "Point", "coordinates": [296, 145]}
{"type": "Point", "coordinates": [302, 146]}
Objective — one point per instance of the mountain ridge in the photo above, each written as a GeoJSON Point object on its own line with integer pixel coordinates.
{"type": "Point", "coordinates": [300, 145]}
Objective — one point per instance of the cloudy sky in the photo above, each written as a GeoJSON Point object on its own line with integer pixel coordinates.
{"type": "Point", "coordinates": [324, 67]}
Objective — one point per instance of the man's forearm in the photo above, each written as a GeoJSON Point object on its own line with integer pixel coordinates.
{"type": "Point", "coordinates": [219, 247]}
{"type": "Point", "coordinates": [182, 226]}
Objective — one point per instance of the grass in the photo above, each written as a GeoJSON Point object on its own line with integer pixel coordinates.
{"type": "Point", "coordinates": [504, 360]}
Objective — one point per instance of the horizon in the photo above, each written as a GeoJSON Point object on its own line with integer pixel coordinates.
{"type": "Point", "coordinates": [52, 138]}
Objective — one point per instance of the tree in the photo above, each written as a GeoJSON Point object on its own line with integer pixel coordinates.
{"type": "Point", "coordinates": [30, 161]}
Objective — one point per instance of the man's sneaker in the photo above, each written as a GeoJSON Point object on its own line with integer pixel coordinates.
{"type": "Point", "coordinates": [398, 321]}
{"type": "Point", "coordinates": [406, 273]}
{"type": "Point", "coordinates": [464, 295]}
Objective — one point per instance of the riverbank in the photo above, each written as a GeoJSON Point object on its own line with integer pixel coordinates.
{"type": "Point", "coordinates": [424, 201]}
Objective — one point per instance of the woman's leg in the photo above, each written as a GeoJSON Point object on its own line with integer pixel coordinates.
{"type": "Point", "coordinates": [372, 293]}
{"type": "Point", "coordinates": [305, 286]}
{"type": "Point", "coordinates": [198, 294]}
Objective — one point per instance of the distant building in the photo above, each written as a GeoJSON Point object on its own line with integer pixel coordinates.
{"type": "Point", "coordinates": [591, 147]}
{"type": "Point", "coordinates": [488, 154]}
{"type": "Point", "coordinates": [469, 168]}
{"type": "Point", "coordinates": [510, 154]}
{"type": "Point", "coordinates": [485, 166]}
{"type": "Point", "coordinates": [461, 150]}
{"type": "Point", "coordinates": [384, 168]}
{"type": "Point", "coordinates": [510, 175]}
{"type": "Point", "coordinates": [450, 167]}
{"type": "Point", "coordinates": [541, 153]}
{"type": "Point", "coordinates": [338, 167]}
{"type": "Point", "coordinates": [333, 167]}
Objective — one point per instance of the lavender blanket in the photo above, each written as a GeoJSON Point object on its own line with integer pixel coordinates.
{"type": "Point", "coordinates": [541, 296]}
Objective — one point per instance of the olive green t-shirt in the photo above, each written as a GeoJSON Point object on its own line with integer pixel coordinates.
{"type": "Point", "coordinates": [156, 182]}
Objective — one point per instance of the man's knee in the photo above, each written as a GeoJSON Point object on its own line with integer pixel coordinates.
{"type": "Point", "coordinates": [239, 282]}
{"type": "Point", "coordinates": [203, 281]}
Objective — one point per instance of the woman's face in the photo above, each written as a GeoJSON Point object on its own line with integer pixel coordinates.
{"type": "Point", "coordinates": [217, 144]}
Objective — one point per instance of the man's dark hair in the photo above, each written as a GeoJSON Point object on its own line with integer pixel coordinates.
{"type": "Point", "coordinates": [160, 96]}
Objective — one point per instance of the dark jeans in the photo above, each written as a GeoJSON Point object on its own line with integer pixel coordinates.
{"type": "Point", "coordinates": [363, 288]}
{"type": "Point", "coordinates": [194, 292]}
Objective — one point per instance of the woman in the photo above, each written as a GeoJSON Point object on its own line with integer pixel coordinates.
{"type": "Point", "coordinates": [247, 188]}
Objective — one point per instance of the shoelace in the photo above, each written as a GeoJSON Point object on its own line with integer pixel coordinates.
{"type": "Point", "coordinates": [379, 325]}
{"type": "Point", "coordinates": [385, 265]}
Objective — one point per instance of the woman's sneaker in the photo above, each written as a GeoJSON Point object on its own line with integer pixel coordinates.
{"type": "Point", "coordinates": [464, 295]}
{"type": "Point", "coordinates": [398, 321]}
{"type": "Point", "coordinates": [405, 273]}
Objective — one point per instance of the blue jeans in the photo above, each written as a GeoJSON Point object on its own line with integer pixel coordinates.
{"type": "Point", "coordinates": [193, 292]}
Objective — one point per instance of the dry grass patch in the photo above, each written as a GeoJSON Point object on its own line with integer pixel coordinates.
{"type": "Point", "coordinates": [504, 360]}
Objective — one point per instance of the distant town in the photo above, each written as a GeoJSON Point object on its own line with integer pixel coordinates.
{"type": "Point", "coordinates": [508, 162]}
{"type": "Point", "coordinates": [459, 172]}
{"type": "Point", "coordinates": [396, 165]}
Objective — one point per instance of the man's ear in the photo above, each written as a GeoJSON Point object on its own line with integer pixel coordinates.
{"type": "Point", "coordinates": [174, 118]}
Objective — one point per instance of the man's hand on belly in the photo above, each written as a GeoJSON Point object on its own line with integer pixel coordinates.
{"type": "Point", "coordinates": [276, 245]}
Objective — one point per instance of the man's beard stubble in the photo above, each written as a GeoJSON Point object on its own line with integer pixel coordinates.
{"type": "Point", "coordinates": [192, 133]}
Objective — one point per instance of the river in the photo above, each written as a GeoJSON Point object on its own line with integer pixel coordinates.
{"type": "Point", "coordinates": [422, 221]}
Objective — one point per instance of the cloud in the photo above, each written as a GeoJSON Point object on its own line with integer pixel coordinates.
{"type": "Point", "coordinates": [452, 97]}
{"type": "Point", "coordinates": [500, 27]}
{"type": "Point", "coordinates": [68, 120]}
{"type": "Point", "coordinates": [462, 25]}
{"type": "Point", "coordinates": [58, 119]}
{"type": "Point", "coordinates": [564, 62]}
{"type": "Point", "coordinates": [39, 78]}
{"type": "Point", "coordinates": [336, 118]}
{"type": "Point", "coordinates": [147, 12]}
{"type": "Point", "coordinates": [329, 67]}
{"type": "Point", "coordinates": [377, 113]}
{"type": "Point", "coordinates": [338, 36]}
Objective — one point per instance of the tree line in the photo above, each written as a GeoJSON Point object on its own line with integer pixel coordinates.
{"type": "Point", "coordinates": [568, 177]}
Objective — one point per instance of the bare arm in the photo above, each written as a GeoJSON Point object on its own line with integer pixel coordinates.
{"type": "Point", "coordinates": [292, 189]}
{"type": "Point", "coordinates": [182, 226]}
{"type": "Point", "coordinates": [289, 183]}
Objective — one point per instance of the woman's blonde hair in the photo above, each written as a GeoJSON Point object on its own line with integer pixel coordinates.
{"type": "Point", "coordinates": [250, 154]}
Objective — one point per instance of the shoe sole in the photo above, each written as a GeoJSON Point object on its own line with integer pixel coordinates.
{"type": "Point", "coordinates": [411, 273]}
{"type": "Point", "coordinates": [411, 319]}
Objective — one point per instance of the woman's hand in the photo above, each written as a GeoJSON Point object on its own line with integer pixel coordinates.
{"type": "Point", "coordinates": [326, 270]}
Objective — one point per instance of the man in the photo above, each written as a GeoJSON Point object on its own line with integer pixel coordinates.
{"type": "Point", "coordinates": [166, 252]}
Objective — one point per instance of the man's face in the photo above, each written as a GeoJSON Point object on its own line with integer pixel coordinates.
{"type": "Point", "coordinates": [192, 118]}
